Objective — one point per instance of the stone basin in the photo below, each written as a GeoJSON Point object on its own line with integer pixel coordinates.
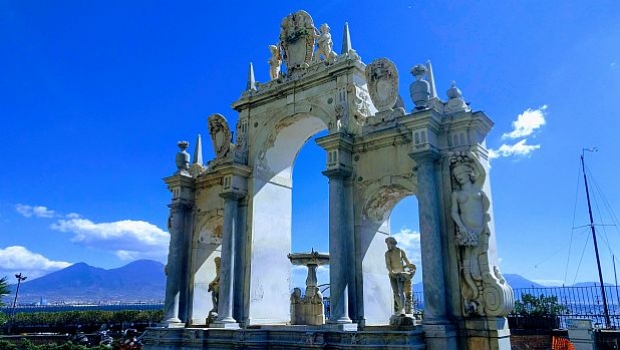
{"type": "Point", "coordinates": [312, 258]}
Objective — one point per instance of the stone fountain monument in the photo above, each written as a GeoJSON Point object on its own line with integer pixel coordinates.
{"type": "Point", "coordinates": [237, 208]}
{"type": "Point", "coordinates": [309, 309]}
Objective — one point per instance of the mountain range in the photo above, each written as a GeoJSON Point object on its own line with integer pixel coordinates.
{"type": "Point", "coordinates": [139, 281]}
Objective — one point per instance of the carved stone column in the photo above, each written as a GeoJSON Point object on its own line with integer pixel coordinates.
{"type": "Point", "coordinates": [439, 332]}
{"type": "Point", "coordinates": [430, 238]}
{"type": "Point", "coordinates": [338, 231]}
{"type": "Point", "coordinates": [341, 240]}
{"type": "Point", "coordinates": [179, 225]}
{"type": "Point", "coordinates": [226, 294]}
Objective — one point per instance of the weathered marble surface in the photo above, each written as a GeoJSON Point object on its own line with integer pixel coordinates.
{"type": "Point", "coordinates": [238, 207]}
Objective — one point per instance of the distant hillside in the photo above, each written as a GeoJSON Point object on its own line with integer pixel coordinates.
{"type": "Point", "coordinates": [139, 281]}
{"type": "Point", "coordinates": [517, 281]}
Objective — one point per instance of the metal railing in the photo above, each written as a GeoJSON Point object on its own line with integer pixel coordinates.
{"type": "Point", "coordinates": [579, 302]}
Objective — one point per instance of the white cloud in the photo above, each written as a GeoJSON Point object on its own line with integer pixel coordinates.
{"type": "Point", "coordinates": [409, 241]}
{"type": "Point", "coordinates": [526, 123]}
{"type": "Point", "coordinates": [17, 259]}
{"type": "Point", "coordinates": [128, 239]}
{"type": "Point", "coordinates": [520, 148]}
{"type": "Point", "coordinates": [37, 211]}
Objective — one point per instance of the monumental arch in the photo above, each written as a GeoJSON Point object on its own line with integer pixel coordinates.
{"type": "Point", "coordinates": [237, 207]}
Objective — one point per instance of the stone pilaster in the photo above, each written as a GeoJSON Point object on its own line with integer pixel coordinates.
{"type": "Point", "coordinates": [179, 225]}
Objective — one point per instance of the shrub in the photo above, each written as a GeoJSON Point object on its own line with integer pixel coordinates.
{"type": "Point", "coordinates": [546, 306]}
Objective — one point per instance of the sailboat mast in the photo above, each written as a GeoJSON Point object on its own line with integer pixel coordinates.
{"type": "Point", "coordinates": [598, 260]}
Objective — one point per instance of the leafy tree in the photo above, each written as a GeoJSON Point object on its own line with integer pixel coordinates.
{"type": "Point", "coordinates": [4, 290]}
{"type": "Point", "coordinates": [545, 306]}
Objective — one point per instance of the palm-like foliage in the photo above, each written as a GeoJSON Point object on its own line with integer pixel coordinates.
{"type": "Point", "coordinates": [4, 289]}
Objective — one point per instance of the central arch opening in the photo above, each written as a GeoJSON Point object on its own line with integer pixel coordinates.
{"type": "Point", "coordinates": [310, 226]}
{"type": "Point", "coordinates": [273, 213]}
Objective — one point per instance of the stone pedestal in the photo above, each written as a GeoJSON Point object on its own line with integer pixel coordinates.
{"type": "Point", "coordinates": [486, 333]}
{"type": "Point", "coordinates": [308, 313]}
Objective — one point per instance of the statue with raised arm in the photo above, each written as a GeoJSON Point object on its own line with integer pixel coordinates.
{"type": "Point", "coordinates": [400, 270]}
{"type": "Point", "coordinates": [275, 62]}
{"type": "Point", "coordinates": [324, 44]}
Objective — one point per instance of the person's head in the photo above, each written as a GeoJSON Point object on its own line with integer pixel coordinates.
{"type": "Point", "coordinates": [324, 28]}
{"type": "Point", "coordinates": [391, 242]}
{"type": "Point", "coordinates": [217, 261]}
{"type": "Point", "coordinates": [463, 173]}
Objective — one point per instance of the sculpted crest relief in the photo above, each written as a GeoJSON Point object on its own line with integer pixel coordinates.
{"type": "Point", "coordinates": [297, 34]}
{"type": "Point", "coordinates": [382, 79]}
{"type": "Point", "coordinates": [220, 135]}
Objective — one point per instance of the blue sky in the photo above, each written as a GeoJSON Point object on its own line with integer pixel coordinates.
{"type": "Point", "coordinates": [94, 96]}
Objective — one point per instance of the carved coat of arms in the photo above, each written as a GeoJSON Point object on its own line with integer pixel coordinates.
{"type": "Point", "coordinates": [382, 79]}
{"type": "Point", "coordinates": [297, 34]}
{"type": "Point", "coordinates": [220, 135]}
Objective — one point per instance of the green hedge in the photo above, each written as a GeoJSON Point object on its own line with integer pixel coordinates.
{"type": "Point", "coordinates": [25, 344]}
{"type": "Point", "coordinates": [62, 322]}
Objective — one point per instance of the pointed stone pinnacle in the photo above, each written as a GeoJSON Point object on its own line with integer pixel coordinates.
{"type": "Point", "coordinates": [346, 39]}
{"type": "Point", "coordinates": [431, 79]}
{"type": "Point", "coordinates": [251, 81]}
{"type": "Point", "coordinates": [198, 151]}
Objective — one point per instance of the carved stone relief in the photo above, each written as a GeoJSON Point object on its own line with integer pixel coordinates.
{"type": "Point", "coordinates": [297, 34]}
{"type": "Point", "coordinates": [378, 207]}
{"type": "Point", "coordinates": [220, 136]}
{"type": "Point", "coordinates": [241, 144]}
{"type": "Point", "coordinates": [210, 224]}
{"type": "Point", "coordinates": [358, 103]}
{"type": "Point", "coordinates": [382, 79]}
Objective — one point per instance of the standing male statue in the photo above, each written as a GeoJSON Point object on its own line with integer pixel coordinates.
{"type": "Point", "coordinates": [214, 286]}
{"type": "Point", "coordinates": [400, 271]}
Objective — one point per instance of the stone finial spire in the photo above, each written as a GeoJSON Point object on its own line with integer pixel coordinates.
{"type": "Point", "coordinates": [251, 81]}
{"type": "Point", "coordinates": [431, 79]}
{"type": "Point", "coordinates": [198, 151]}
{"type": "Point", "coordinates": [454, 92]}
{"type": "Point", "coordinates": [197, 167]}
{"type": "Point", "coordinates": [346, 40]}
{"type": "Point", "coordinates": [456, 103]}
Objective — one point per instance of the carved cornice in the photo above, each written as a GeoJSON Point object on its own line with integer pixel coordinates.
{"type": "Point", "coordinates": [179, 180]}
{"type": "Point", "coordinates": [315, 75]}
{"type": "Point", "coordinates": [427, 156]}
{"type": "Point", "coordinates": [339, 141]}
{"type": "Point", "coordinates": [180, 204]}
{"type": "Point", "coordinates": [232, 195]}
{"type": "Point", "coordinates": [338, 173]}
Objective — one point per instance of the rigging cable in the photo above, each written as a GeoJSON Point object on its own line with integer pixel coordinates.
{"type": "Point", "coordinates": [583, 252]}
{"type": "Point", "coordinates": [574, 217]}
